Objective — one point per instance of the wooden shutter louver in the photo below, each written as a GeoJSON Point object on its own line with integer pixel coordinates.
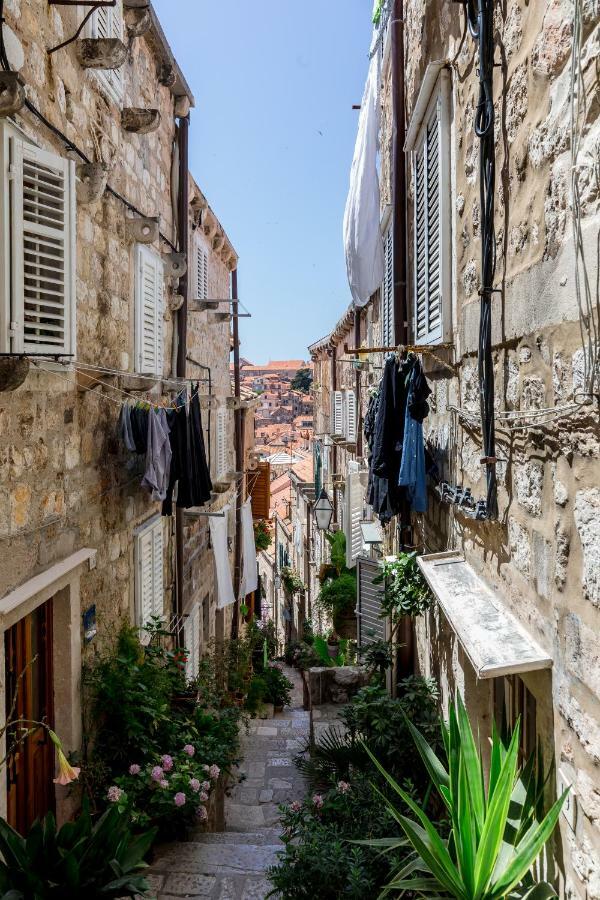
{"type": "Point", "coordinates": [387, 291]}
{"type": "Point", "coordinates": [107, 22]}
{"type": "Point", "coordinates": [201, 273]}
{"type": "Point", "coordinates": [191, 635]}
{"type": "Point", "coordinates": [149, 314]}
{"type": "Point", "coordinates": [350, 416]}
{"type": "Point", "coordinates": [371, 627]}
{"type": "Point", "coordinates": [353, 517]}
{"type": "Point", "coordinates": [259, 488]}
{"type": "Point", "coordinates": [427, 229]}
{"type": "Point", "coordinates": [43, 250]}
{"type": "Point", "coordinates": [337, 414]}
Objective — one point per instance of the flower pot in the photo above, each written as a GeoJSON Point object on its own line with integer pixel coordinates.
{"type": "Point", "coordinates": [333, 648]}
{"type": "Point", "coordinates": [346, 626]}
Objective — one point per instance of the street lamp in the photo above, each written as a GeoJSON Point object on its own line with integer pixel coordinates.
{"type": "Point", "coordinates": [323, 511]}
{"type": "Point", "coordinates": [277, 582]}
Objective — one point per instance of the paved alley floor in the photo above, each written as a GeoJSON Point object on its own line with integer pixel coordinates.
{"type": "Point", "coordinates": [231, 865]}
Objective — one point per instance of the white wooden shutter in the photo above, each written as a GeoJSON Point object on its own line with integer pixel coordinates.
{"type": "Point", "coordinates": [350, 414]}
{"type": "Point", "coordinates": [191, 634]}
{"type": "Point", "coordinates": [221, 444]}
{"type": "Point", "coordinates": [337, 414]}
{"type": "Point", "coordinates": [353, 517]}
{"type": "Point", "coordinates": [149, 311]}
{"type": "Point", "coordinates": [149, 574]}
{"type": "Point", "coordinates": [107, 22]}
{"type": "Point", "coordinates": [201, 273]}
{"type": "Point", "coordinates": [387, 291]}
{"type": "Point", "coordinates": [371, 627]}
{"type": "Point", "coordinates": [431, 175]}
{"type": "Point", "coordinates": [42, 251]}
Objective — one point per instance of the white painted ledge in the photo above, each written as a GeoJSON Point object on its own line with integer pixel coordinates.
{"type": "Point", "coordinates": [46, 579]}
{"type": "Point", "coordinates": [493, 639]}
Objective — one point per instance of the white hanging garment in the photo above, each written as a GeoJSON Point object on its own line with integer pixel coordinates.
{"type": "Point", "coordinates": [218, 536]}
{"type": "Point", "coordinates": [250, 562]}
{"type": "Point", "coordinates": [362, 235]}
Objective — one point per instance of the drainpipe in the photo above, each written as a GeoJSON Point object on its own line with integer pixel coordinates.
{"type": "Point", "coordinates": [406, 638]}
{"type": "Point", "coordinates": [239, 454]}
{"type": "Point", "coordinates": [334, 454]}
{"type": "Point", "coordinates": [183, 229]}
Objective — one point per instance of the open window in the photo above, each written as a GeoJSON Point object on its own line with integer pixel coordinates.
{"type": "Point", "coordinates": [37, 249]}
{"type": "Point", "coordinates": [149, 294]}
{"type": "Point", "coordinates": [149, 572]}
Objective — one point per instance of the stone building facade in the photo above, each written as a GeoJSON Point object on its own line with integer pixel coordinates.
{"type": "Point", "coordinates": [100, 147]}
{"type": "Point", "coordinates": [539, 556]}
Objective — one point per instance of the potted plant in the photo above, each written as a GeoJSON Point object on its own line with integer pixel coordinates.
{"type": "Point", "coordinates": [337, 598]}
{"type": "Point", "coordinates": [278, 688]}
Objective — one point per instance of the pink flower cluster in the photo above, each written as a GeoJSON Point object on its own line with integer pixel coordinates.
{"type": "Point", "coordinates": [296, 806]}
{"type": "Point", "coordinates": [114, 794]}
{"type": "Point", "coordinates": [318, 801]}
{"type": "Point", "coordinates": [179, 799]}
{"type": "Point", "coordinates": [343, 787]}
{"type": "Point", "coordinates": [167, 762]}
{"type": "Point", "coordinates": [157, 773]}
{"type": "Point", "coordinates": [213, 771]}
{"type": "Point", "coordinates": [134, 769]}
{"type": "Point", "coordinates": [201, 813]}
{"type": "Point", "coordinates": [189, 750]}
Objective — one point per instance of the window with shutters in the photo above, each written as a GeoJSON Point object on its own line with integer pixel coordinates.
{"type": "Point", "coordinates": [191, 636]}
{"type": "Point", "coordinates": [221, 441]}
{"type": "Point", "coordinates": [107, 22]}
{"type": "Point", "coordinates": [149, 338]}
{"type": "Point", "coordinates": [431, 218]}
{"type": "Point", "coordinates": [200, 272]}
{"type": "Point", "coordinates": [387, 291]}
{"type": "Point", "coordinates": [337, 414]}
{"type": "Point", "coordinates": [353, 517]}
{"type": "Point", "coordinates": [149, 572]}
{"type": "Point", "coordinates": [37, 250]}
{"type": "Point", "coordinates": [350, 416]}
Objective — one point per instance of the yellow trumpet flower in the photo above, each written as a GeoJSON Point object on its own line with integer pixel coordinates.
{"type": "Point", "coordinates": [67, 772]}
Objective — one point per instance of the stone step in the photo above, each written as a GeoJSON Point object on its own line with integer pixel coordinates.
{"type": "Point", "coordinates": [233, 858]}
{"type": "Point", "coordinates": [251, 838]}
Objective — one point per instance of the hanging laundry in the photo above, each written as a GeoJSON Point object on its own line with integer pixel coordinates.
{"type": "Point", "coordinates": [218, 536]}
{"type": "Point", "coordinates": [363, 242]}
{"type": "Point", "coordinates": [250, 562]}
{"type": "Point", "coordinates": [200, 483]}
{"type": "Point", "coordinates": [158, 455]}
{"type": "Point", "coordinates": [189, 466]}
{"type": "Point", "coordinates": [126, 429]}
{"type": "Point", "coordinates": [413, 475]}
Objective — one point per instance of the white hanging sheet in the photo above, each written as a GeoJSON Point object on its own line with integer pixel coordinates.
{"type": "Point", "coordinates": [363, 243]}
{"type": "Point", "coordinates": [218, 536]}
{"type": "Point", "coordinates": [250, 562]}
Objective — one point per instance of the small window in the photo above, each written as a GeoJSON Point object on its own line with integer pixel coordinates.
{"type": "Point", "coordinates": [201, 273]}
{"type": "Point", "coordinates": [38, 253]}
{"type": "Point", "coordinates": [107, 22]}
{"type": "Point", "coordinates": [149, 339]}
{"type": "Point", "coordinates": [431, 218]}
{"type": "Point", "coordinates": [149, 573]}
{"type": "Point", "coordinates": [514, 702]}
{"type": "Point", "coordinates": [387, 291]}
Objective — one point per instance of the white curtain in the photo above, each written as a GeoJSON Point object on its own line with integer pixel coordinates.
{"type": "Point", "coordinates": [218, 536]}
{"type": "Point", "coordinates": [362, 236]}
{"type": "Point", "coordinates": [250, 563]}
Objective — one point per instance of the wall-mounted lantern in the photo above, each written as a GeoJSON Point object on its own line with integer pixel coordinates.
{"type": "Point", "coordinates": [323, 511]}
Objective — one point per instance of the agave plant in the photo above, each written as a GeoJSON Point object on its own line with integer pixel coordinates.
{"type": "Point", "coordinates": [496, 834]}
{"type": "Point", "coordinates": [81, 859]}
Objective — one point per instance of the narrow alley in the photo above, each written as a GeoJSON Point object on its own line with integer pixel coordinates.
{"type": "Point", "coordinates": [231, 865]}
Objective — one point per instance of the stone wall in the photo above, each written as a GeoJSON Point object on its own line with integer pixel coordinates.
{"type": "Point", "coordinates": [542, 552]}
{"type": "Point", "coordinates": [66, 481]}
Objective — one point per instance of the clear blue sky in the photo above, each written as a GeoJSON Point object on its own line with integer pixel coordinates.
{"type": "Point", "coordinates": [272, 138]}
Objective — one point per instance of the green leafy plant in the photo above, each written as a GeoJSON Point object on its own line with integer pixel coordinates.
{"type": "Point", "coordinates": [291, 581]}
{"type": "Point", "coordinates": [406, 592]}
{"type": "Point", "coordinates": [262, 535]}
{"type": "Point", "coordinates": [337, 597]}
{"type": "Point", "coordinates": [82, 859]}
{"type": "Point", "coordinates": [257, 692]}
{"type": "Point", "coordinates": [278, 687]}
{"type": "Point", "coordinates": [378, 657]}
{"type": "Point", "coordinates": [496, 834]}
{"type": "Point", "coordinates": [321, 649]}
{"type": "Point", "coordinates": [302, 381]}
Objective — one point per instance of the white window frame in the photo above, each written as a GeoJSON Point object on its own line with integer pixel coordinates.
{"type": "Point", "coordinates": [434, 100]}
{"type": "Point", "coordinates": [17, 151]}
{"type": "Point", "coordinates": [353, 515]}
{"type": "Point", "coordinates": [350, 417]}
{"type": "Point", "coordinates": [149, 553]}
{"type": "Point", "coordinates": [112, 81]}
{"type": "Point", "coordinates": [337, 414]}
{"type": "Point", "coordinates": [200, 270]}
{"type": "Point", "coordinates": [149, 317]}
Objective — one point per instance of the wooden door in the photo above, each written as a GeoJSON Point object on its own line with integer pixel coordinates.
{"type": "Point", "coordinates": [29, 697]}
